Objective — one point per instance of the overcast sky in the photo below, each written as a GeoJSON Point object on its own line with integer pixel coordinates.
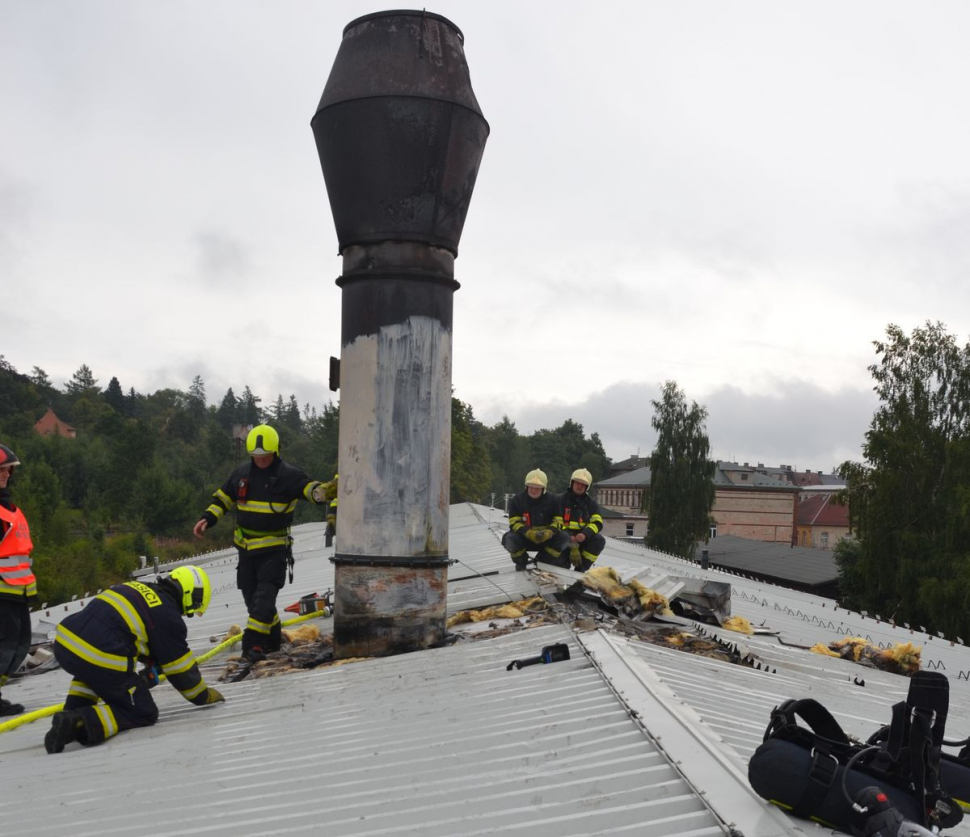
{"type": "Point", "coordinates": [735, 196]}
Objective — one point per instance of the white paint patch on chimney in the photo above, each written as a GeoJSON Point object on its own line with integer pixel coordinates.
{"type": "Point", "coordinates": [395, 441]}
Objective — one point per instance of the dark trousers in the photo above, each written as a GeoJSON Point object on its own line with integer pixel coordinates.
{"type": "Point", "coordinates": [260, 576]}
{"type": "Point", "coordinates": [592, 546]}
{"type": "Point", "coordinates": [587, 552]}
{"type": "Point", "coordinates": [549, 552]}
{"type": "Point", "coordinates": [14, 636]}
{"type": "Point", "coordinates": [128, 703]}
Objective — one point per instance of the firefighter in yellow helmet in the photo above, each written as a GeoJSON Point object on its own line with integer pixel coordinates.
{"type": "Point", "coordinates": [102, 643]}
{"type": "Point", "coordinates": [532, 524]}
{"type": "Point", "coordinates": [264, 493]}
{"type": "Point", "coordinates": [332, 510]}
{"type": "Point", "coordinates": [582, 520]}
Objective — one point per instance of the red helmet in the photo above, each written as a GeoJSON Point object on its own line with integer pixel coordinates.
{"type": "Point", "coordinates": [7, 457]}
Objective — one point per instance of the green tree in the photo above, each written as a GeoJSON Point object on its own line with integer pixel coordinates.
{"type": "Point", "coordinates": [470, 470]}
{"type": "Point", "coordinates": [115, 397]}
{"type": "Point", "coordinates": [509, 456]}
{"type": "Point", "coordinates": [249, 412]}
{"type": "Point", "coordinates": [290, 415]}
{"type": "Point", "coordinates": [82, 382]}
{"type": "Point", "coordinates": [196, 400]}
{"type": "Point", "coordinates": [228, 412]}
{"type": "Point", "coordinates": [40, 378]}
{"type": "Point", "coordinates": [909, 502]}
{"type": "Point", "coordinates": [681, 492]}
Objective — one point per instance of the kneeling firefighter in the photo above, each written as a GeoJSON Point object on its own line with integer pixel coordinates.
{"type": "Point", "coordinates": [582, 519]}
{"type": "Point", "coordinates": [532, 525]}
{"type": "Point", "coordinates": [101, 644]}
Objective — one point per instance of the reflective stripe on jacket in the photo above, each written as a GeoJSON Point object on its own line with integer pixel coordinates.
{"type": "Point", "coordinates": [264, 500]}
{"type": "Point", "coordinates": [16, 576]}
{"type": "Point", "coordinates": [526, 512]}
{"type": "Point", "coordinates": [131, 622]}
{"type": "Point", "coordinates": [580, 512]}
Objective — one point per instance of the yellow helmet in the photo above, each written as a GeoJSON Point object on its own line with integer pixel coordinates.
{"type": "Point", "coordinates": [262, 440]}
{"type": "Point", "coordinates": [196, 589]}
{"type": "Point", "coordinates": [583, 476]}
{"type": "Point", "coordinates": [537, 477]}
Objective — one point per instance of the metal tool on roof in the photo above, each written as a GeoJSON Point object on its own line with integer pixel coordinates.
{"type": "Point", "coordinates": [550, 654]}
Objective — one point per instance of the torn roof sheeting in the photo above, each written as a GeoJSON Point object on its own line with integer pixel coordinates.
{"type": "Point", "coordinates": [447, 741]}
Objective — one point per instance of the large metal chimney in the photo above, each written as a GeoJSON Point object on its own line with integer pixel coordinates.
{"type": "Point", "coordinates": [400, 137]}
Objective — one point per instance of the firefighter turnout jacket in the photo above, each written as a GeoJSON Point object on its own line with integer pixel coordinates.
{"type": "Point", "coordinates": [134, 622]}
{"type": "Point", "coordinates": [17, 580]}
{"type": "Point", "coordinates": [579, 513]}
{"type": "Point", "coordinates": [264, 500]}
{"type": "Point", "coordinates": [526, 512]}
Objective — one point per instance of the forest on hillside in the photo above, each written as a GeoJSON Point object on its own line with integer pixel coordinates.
{"type": "Point", "coordinates": [142, 466]}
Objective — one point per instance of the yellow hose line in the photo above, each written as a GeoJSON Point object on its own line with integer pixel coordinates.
{"type": "Point", "coordinates": [37, 714]}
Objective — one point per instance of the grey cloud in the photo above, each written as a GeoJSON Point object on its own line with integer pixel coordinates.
{"type": "Point", "coordinates": [221, 258]}
{"type": "Point", "coordinates": [800, 424]}
{"type": "Point", "coordinates": [15, 209]}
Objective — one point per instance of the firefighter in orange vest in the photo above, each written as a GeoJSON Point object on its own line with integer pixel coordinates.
{"type": "Point", "coordinates": [18, 586]}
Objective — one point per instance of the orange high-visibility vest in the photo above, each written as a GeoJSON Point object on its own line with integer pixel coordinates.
{"type": "Point", "coordinates": [16, 576]}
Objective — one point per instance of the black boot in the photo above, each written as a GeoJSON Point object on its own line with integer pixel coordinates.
{"type": "Point", "coordinates": [63, 731]}
{"type": "Point", "coordinates": [253, 655]}
{"type": "Point", "coordinates": [8, 708]}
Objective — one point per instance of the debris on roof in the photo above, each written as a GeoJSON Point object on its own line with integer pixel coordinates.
{"type": "Point", "coordinates": [512, 610]}
{"type": "Point", "coordinates": [633, 598]}
{"type": "Point", "coordinates": [738, 624]}
{"type": "Point", "coordinates": [900, 658]}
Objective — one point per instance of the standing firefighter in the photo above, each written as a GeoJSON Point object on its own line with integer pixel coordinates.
{"type": "Point", "coordinates": [532, 524]}
{"type": "Point", "coordinates": [332, 509]}
{"type": "Point", "coordinates": [264, 493]}
{"type": "Point", "coordinates": [582, 519]}
{"type": "Point", "coordinates": [18, 586]}
{"type": "Point", "coordinates": [101, 644]}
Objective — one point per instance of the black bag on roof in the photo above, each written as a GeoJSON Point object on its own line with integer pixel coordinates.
{"type": "Point", "coordinates": [816, 771]}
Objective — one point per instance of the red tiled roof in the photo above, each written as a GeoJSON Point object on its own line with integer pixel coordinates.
{"type": "Point", "coordinates": [49, 424]}
{"type": "Point", "coordinates": [818, 510]}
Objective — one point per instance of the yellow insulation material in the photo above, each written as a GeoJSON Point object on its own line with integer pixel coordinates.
{"type": "Point", "coordinates": [606, 581]}
{"type": "Point", "coordinates": [818, 648]}
{"type": "Point", "coordinates": [514, 610]}
{"type": "Point", "coordinates": [901, 658]}
{"type": "Point", "coordinates": [738, 624]}
{"type": "Point", "coordinates": [302, 633]}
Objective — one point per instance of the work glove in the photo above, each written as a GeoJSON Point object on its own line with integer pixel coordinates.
{"type": "Point", "coordinates": [332, 521]}
{"type": "Point", "coordinates": [215, 696]}
{"type": "Point", "coordinates": [538, 534]}
{"type": "Point", "coordinates": [151, 675]}
{"type": "Point", "coordinates": [575, 556]}
{"type": "Point", "coordinates": [325, 492]}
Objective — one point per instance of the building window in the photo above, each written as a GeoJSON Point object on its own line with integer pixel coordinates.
{"type": "Point", "coordinates": [825, 540]}
{"type": "Point", "coordinates": [629, 530]}
{"type": "Point", "coordinates": [714, 531]}
{"type": "Point", "coordinates": [744, 476]}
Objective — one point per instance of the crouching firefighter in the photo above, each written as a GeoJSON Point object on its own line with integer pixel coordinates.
{"type": "Point", "coordinates": [532, 515]}
{"type": "Point", "coordinates": [264, 492]}
{"type": "Point", "coordinates": [582, 519]}
{"type": "Point", "coordinates": [102, 643]}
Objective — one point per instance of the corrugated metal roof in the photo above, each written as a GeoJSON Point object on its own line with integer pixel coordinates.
{"type": "Point", "coordinates": [447, 742]}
